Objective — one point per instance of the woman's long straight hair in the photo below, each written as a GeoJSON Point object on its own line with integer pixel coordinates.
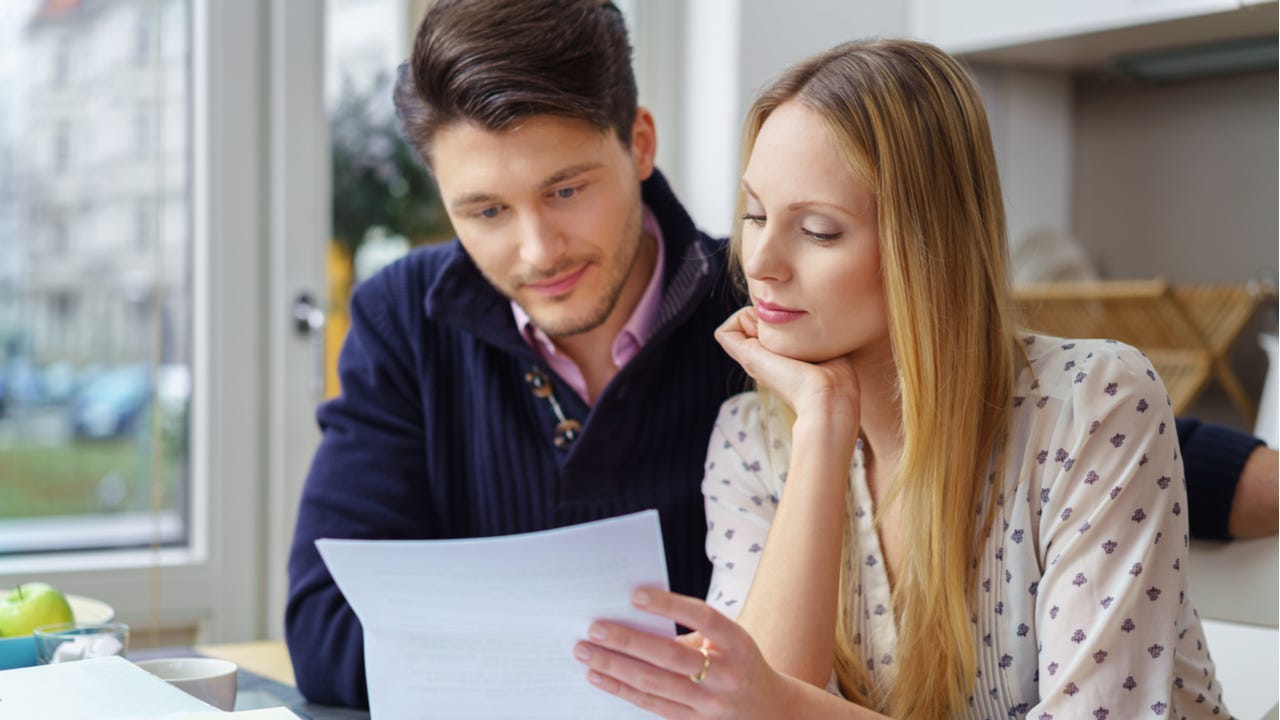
{"type": "Point", "coordinates": [910, 124]}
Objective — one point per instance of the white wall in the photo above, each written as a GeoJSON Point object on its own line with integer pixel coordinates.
{"type": "Point", "coordinates": [732, 49]}
{"type": "Point", "coordinates": [1031, 114]}
{"type": "Point", "coordinates": [1179, 179]}
{"type": "Point", "coordinates": [711, 116]}
{"type": "Point", "coordinates": [777, 34]}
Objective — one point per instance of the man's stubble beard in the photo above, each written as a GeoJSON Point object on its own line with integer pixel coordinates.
{"type": "Point", "coordinates": [596, 316]}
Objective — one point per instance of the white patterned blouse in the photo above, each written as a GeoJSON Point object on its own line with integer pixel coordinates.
{"type": "Point", "coordinates": [1082, 611]}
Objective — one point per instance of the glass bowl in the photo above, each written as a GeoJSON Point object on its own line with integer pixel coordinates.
{"type": "Point", "coordinates": [65, 642]}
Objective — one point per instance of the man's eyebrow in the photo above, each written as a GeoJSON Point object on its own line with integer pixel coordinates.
{"type": "Point", "coordinates": [563, 174]}
{"type": "Point", "coordinates": [474, 198]}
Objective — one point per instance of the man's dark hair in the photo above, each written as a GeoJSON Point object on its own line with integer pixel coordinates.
{"type": "Point", "coordinates": [497, 62]}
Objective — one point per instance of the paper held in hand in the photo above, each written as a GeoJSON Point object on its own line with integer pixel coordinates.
{"type": "Point", "coordinates": [483, 629]}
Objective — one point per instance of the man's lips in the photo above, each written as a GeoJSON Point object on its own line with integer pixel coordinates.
{"type": "Point", "coordinates": [776, 314]}
{"type": "Point", "coordinates": [558, 285]}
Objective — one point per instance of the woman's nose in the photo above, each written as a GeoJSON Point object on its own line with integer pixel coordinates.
{"type": "Point", "coordinates": [764, 255]}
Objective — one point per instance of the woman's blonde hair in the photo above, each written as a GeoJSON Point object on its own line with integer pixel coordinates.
{"type": "Point", "coordinates": [909, 122]}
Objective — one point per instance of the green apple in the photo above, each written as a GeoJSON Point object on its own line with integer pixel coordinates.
{"type": "Point", "coordinates": [31, 605]}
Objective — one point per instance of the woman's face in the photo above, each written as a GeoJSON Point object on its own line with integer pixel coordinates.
{"type": "Point", "coordinates": [811, 243]}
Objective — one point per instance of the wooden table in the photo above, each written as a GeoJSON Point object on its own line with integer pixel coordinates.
{"type": "Point", "coordinates": [268, 658]}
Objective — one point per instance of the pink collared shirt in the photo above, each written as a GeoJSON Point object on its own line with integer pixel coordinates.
{"type": "Point", "coordinates": [630, 339]}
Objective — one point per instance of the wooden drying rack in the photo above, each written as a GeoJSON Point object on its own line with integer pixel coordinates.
{"type": "Point", "coordinates": [1187, 331]}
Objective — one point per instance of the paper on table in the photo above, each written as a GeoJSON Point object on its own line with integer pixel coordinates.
{"type": "Point", "coordinates": [483, 629]}
{"type": "Point", "coordinates": [108, 688]}
{"type": "Point", "coordinates": [276, 713]}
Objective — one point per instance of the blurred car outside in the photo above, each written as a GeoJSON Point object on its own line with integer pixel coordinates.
{"type": "Point", "coordinates": [110, 405]}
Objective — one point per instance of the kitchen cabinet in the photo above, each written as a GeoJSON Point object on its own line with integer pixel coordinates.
{"type": "Point", "coordinates": [1077, 34]}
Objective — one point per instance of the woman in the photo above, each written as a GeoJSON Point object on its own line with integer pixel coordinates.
{"type": "Point", "coordinates": [922, 508]}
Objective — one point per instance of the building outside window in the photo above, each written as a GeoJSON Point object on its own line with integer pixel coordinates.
{"type": "Point", "coordinates": [142, 37]}
{"type": "Point", "coordinates": [62, 147]}
{"type": "Point", "coordinates": [61, 64]}
{"type": "Point", "coordinates": [95, 338]}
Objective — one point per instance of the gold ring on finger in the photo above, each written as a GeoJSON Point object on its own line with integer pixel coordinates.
{"type": "Point", "coordinates": [706, 665]}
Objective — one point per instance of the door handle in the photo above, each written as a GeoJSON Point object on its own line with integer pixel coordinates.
{"type": "Point", "coordinates": [308, 323]}
{"type": "Point", "coordinates": [307, 316]}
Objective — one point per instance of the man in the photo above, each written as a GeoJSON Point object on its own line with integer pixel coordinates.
{"type": "Point", "coordinates": [553, 365]}
{"type": "Point", "coordinates": [1233, 489]}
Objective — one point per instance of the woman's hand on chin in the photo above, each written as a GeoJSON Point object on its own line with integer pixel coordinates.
{"type": "Point", "coordinates": [827, 389]}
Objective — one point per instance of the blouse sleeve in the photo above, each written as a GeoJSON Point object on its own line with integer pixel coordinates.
{"type": "Point", "coordinates": [1113, 542]}
{"type": "Point", "coordinates": [741, 493]}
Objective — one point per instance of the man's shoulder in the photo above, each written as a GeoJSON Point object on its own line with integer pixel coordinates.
{"type": "Point", "coordinates": [408, 279]}
{"type": "Point", "coordinates": [421, 266]}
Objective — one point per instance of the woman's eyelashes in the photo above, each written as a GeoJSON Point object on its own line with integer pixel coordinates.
{"type": "Point", "coordinates": [821, 236]}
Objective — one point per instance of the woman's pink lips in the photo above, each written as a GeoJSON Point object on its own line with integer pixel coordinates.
{"type": "Point", "coordinates": [560, 285]}
{"type": "Point", "coordinates": [776, 314]}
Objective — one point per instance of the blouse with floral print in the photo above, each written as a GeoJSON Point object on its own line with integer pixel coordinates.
{"type": "Point", "coordinates": [1082, 610]}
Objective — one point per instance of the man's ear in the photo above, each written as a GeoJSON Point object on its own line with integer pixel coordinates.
{"type": "Point", "coordinates": [644, 142]}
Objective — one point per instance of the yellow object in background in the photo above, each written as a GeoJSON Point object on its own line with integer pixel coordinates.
{"type": "Point", "coordinates": [341, 274]}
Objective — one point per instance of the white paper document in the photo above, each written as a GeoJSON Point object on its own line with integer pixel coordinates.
{"type": "Point", "coordinates": [276, 713]}
{"type": "Point", "coordinates": [483, 629]}
{"type": "Point", "coordinates": [107, 688]}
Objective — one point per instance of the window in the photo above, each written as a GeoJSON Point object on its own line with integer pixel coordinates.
{"type": "Point", "coordinates": [185, 319]}
{"type": "Point", "coordinates": [142, 118]}
{"type": "Point", "coordinates": [61, 147]}
{"type": "Point", "coordinates": [61, 63]}
{"type": "Point", "coordinates": [142, 38]}
{"type": "Point", "coordinates": [63, 305]}
{"type": "Point", "coordinates": [60, 238]}
{"type": "Point", "coordinates": [383, 200]}
{"type": "Point", "coordinates": [142, 223]}
{"type": "Point", "coordinates": [94, 369]}
{"type": "Point", "coordinates": [6, 169]}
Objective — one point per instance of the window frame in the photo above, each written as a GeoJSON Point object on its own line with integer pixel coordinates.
{"type": "Point", "coordinates": [215, 581]}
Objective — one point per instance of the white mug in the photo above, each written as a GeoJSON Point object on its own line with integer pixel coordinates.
{"type": "Point", "coordinates": [209, 679]}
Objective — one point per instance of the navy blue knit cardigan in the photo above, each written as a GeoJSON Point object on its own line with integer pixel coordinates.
{"type": "Point", "coordinates": [438, 434]}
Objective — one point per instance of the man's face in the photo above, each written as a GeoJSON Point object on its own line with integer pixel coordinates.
{"type": "Point", "coordinates": [550, 212]}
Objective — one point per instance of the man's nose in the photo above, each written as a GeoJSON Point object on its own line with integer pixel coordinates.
{"type": "Point", "coordinates": [541, 244]}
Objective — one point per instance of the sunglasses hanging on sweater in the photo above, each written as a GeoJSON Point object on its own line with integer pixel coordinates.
{"type": "Point", "coordinates": [567, 429]}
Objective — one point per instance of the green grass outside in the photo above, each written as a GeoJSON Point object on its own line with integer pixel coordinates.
{"type": "Point", "coordinates": [38, 481]}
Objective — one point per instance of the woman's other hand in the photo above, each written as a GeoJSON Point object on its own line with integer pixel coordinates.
{"type": "Point", "coordinates": [715, 672]}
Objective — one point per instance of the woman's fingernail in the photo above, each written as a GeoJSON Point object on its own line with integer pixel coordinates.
{"type": "Point", "coordinates": [641, 597]}
{"type": "Point", "coordinates": [595, 678]}
{"type": "Point", "coordinates": [598, 631]}
{"type": "Point", "coordinates": [581, 652]}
